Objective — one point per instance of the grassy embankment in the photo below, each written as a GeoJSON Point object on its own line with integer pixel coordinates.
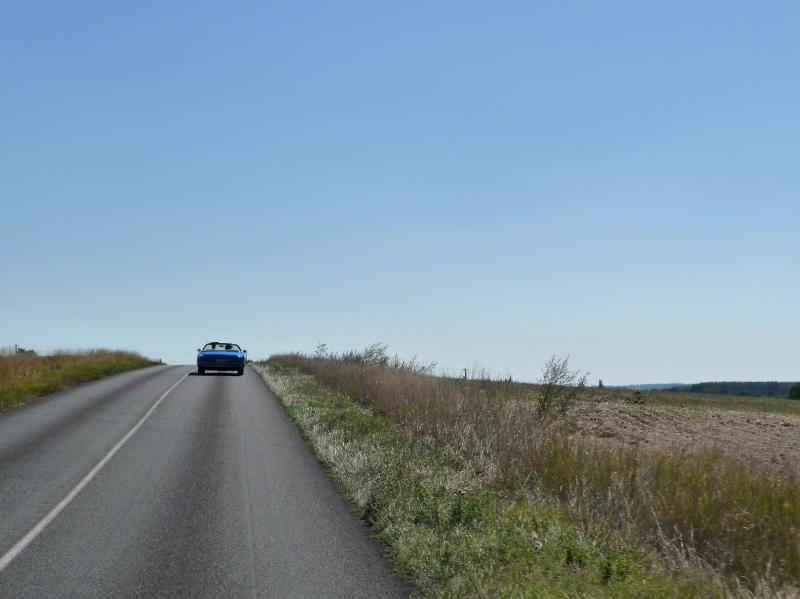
{"type": "Point", "coordinates": [477, 492]}
{"type": "Point", "coordinates": [26, 376]}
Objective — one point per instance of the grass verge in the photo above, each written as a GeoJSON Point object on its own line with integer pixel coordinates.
{"type": "Point", "coordinates": [455, 530]}
{"type": "Point", "coordinates": [768, 405]}
{"type": "Point", "coordinates": [24, 377]}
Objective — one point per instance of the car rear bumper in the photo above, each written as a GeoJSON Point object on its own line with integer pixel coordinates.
{"type": "Point", "coordinates": [220, 364]}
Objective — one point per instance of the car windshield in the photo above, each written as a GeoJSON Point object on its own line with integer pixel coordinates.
{"type": "Point", "coordinates": [217, 346]}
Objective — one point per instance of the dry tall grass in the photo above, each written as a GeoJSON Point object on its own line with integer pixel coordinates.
{"type": "Point", "coordinates": [27, 375]}
{"type": "Point", "coordinates": [699, 510]}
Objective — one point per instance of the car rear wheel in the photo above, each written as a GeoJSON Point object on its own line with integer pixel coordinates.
{"type": "Point", "coordinates": [201, 370]}
{"type": "Point", "coordinates": [240, 372]}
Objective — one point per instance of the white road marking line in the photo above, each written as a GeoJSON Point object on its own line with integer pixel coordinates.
{"type": "Point", "coordinates": [34, 532]}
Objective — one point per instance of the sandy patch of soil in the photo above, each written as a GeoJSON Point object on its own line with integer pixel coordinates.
{"type": "Point", "coordinates": [768, 441]}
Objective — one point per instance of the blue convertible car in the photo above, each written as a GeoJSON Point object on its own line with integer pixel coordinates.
{"type": "Point", "coordinates": [221, 356]}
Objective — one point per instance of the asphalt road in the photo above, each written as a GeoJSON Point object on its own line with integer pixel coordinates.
{"type": "Point", "coordinates": [213, 494]}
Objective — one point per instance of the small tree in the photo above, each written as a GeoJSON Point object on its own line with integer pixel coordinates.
{"type": "Point", "coordinates": [794, 391]}
{"type": "Point", "coordinates": [560, 387]}
{"type": "Point", "coordinates": [375, 355]}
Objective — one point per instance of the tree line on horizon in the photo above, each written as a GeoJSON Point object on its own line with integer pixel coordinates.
{"type": "Point", "coordinates": [746, 388]}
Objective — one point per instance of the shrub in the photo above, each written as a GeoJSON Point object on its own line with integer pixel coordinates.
{"type": "Point", "coordinates": [559, 388]}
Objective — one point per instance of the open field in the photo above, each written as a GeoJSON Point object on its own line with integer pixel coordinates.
{"type": "Point", "coordinates": [771, 405]}
{"type": "Point", "coordinates": [767, 441]}
{"type": "Point", "coordinates": [676, 399]}
{"type": "Point", "coordinates": [631, 480]}
{"type": "Point", "coordinates": [26, 376]}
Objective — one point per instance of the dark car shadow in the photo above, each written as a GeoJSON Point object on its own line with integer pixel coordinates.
{"type": "Point", "coordinates": [195, 373]}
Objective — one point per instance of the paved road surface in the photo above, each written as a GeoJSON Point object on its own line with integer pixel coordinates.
{"type": "Point", "coordinates": [213, 495]}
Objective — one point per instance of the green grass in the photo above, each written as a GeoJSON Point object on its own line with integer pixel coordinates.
{"type": "Point", "coordinates": [770, 405]}
{"type": "Point", "coordinates": [457, 531]}
{"type": "Point", "coordinates": [24, 377]}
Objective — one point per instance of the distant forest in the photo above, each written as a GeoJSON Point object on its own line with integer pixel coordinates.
{"type": "Point", "coordinates": [753, 389]}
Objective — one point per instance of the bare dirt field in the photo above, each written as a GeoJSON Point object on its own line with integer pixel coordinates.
{"type": "Point", "coordinates": [769, 441]}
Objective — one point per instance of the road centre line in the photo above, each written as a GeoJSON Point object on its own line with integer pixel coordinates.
{"type": "Point", "coordinates": [34, 532]}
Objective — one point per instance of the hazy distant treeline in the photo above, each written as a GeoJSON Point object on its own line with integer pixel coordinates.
{"type": "Point", "coordinates": [753, 389]}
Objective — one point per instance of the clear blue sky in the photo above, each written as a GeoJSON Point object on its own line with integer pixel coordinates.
{"type": "Point", "coordinates": [488, 182]}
